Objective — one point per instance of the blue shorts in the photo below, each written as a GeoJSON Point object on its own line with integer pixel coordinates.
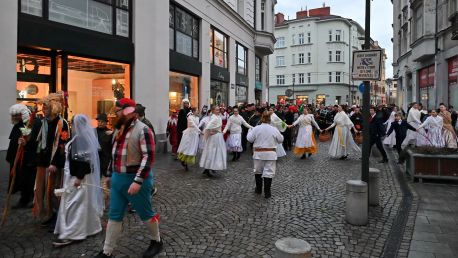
{"type": "Point", "coordinates": [119, 198]}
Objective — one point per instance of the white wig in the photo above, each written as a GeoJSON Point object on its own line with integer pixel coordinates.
{"type": "Point", "coordinates": [185, 100]}
{"type": "Point", "coordinates": [21, 109]}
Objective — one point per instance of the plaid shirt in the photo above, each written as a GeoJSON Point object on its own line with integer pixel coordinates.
{"type": "Point", "coordinates": [119, 153]}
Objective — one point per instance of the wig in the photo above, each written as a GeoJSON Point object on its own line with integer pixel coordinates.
{"type": "Point", "coordinates": [55, 101]}
{"type": "Point", "coordinates": [21, 109]}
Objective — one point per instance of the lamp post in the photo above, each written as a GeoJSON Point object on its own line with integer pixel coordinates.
{"type": "Point", "coordinates": [366, 102]}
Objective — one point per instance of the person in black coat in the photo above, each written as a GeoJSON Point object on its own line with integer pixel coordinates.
{"type": "Point", "coordinates": [104, 135]}
{"type": "Point", "coordinates": [376, 130]}
{"type": "Point", "coordinates": [287, 134]}
{"type": "Point", "coordinates": [400, 127]}
{"type": "Point", "coordinates": [182, 123]}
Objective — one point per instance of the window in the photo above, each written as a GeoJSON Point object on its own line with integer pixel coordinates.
{"type": "Point", "coordinates": [338, 54]}
{"type": "Point", "coordinates": [280, 42]}
{"type": "Point", "coordinates": [183, 32]}
{"type": "Point", "coordinates": [301, 78]}
{"type": "Point", "coordinates": [280, 61]}
{"type": "Point", "coordinates": [122, 18]}
{"type": "Point", "coordinates": [263, 14]}
{"type": "Point", "coordinates": [301, 58]}
{"type": "Point", "coordinates": [309, 37]}
{"type": "Point", "coordinates": [338, 35]}
{"type": "Point", "coordinates": [330, 76]}
{"type": "Point", "coordinates": [258, 69]}
{"type": "Point", "coordinates": [330, 35]}
{"type": "Point", "coordinates": [293, 59]}
{"type": "Point", "coordinates": [218, 93]}
{"type": "Point", "coordinates": [330, 56]}
{"type": "Point", "coordinates": [293, 39]}
{"type": "Point", "coordinates": [241, 94]}
{"type": "Point", "coordinates": [294, 78]}
{"type": "Point", "coordinates": [33, 7]}
{"type": "Point", "coordinates": [280, 79]}
{"type": "Point", "coordinates": [338, 76]}
{"type": "Point", "coordinates": [418, 20]}
{"type": "Point", "coordinates": [301, 39]}
{"type": "Point", "coordinates": [309, 78]}
{"type": "Point", "coordinates": [218, 48]}
{"type": "Point", "coordinates": [183, 86]}
{"type": "Point", "coordinates": [242, 59]}
{"type": "Point", "coordinates": [309, 58]}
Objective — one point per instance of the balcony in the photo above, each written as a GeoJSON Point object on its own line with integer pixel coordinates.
{"type": "Point", "coordinates": [264, 42]}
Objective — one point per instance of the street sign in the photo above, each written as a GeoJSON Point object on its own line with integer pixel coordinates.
{"type": "Point", "coordinates": [361, 87]}
{"type": "Point", "coordinates": [367, 65]}
{"type": "Point", "coordinates": [289, 92]}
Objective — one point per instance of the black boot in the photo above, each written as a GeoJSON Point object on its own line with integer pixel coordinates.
{"type": "Point", "coordinates": [154, 248]}
{"type": "Point", "coordinates": [237, 154]}
{"type": "Point", "coordinates": [234, 156]}
{"type": "Point", "coordinates": [303, 156]}
{"type": "Point", "coordinates": [258, 178]}
{"type": "Point", "coordinates": [267, 184]}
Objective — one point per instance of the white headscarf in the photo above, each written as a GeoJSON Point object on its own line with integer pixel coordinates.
{"type": "Point", "coordinates": [22, 109]}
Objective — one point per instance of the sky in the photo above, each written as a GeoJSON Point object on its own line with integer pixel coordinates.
{"type": "Point", "coordinates": [381, 18]}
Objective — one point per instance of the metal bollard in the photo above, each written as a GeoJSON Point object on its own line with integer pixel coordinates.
{"type": "Point", "coordinates": [356, 203]}
{"type": "Point", "coordinates": [374, 186]}
{"type": "Point", "coordinates": [292, 248]}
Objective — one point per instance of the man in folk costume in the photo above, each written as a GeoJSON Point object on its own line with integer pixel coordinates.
{"type": "Point", "coordinates": [376, 132]}
{"type": "Point", "coordinates": [26, 167]}
{"type": "Point", "coordinates": [131, 178]}
{"type": "Point", "coordinates": [342, 140]}
{"type": "Point", "coordinates": [265, 139]}
{"type": "Point", "coordinates": [234, 126]}
{"type": "Point", "coordinates": [51, 140]}
{"type": "Point", "coordinates": [449, 133]}
{"type": "Point", "coordinates": [172, 131]}
{"type": "Point", "coordinates": [182, 123]}
{"type": "Point", "coordinates": [414, 119]}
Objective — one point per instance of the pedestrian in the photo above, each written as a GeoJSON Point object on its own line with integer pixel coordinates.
{"type": "Point", "coordinates": [189, 145]}
{"type": "Point", "coordinates": [416, 138]}
{"type": "Point", "coordinates": [234, 141]}
{"type": "Point", "coordinates": [24, 132]}
{"type": "Point", "coordinates": [305, 141]}
{"type": "Point", "coordinates": [52, 137]}
{"type": "Point", "coordinates": [265, 139]}
{"type": "Point", "coordinates": [376, 132]}
{"type": "Point", "coordinates": [342, 140]}
{"type": "Point", "coordinates": [276, 122]}
{"type": "Point", "coordinates": [131, 178]}
{"type": "Point", "coordinates": [172, 131]}
{"type": "Point", "coordinates": [434, 125]}
{"type": "Point", "coordinates": [287, 134]}
{"type": "Point", "coordinates": [400, 127]}
{"type": "Point", "coordinates": [81, 203]}
{"type": "Point", "coordinates": [105, 140]}
{"type": "Point", "coordinates": [449, 133]}
{"type": "Point", "coordinates": [140, 110]}
{"type": "Point", "coordinates": [357, 119]}
{"type": "Point", "coordinates": [182, 123]}
{"type": "Point", "coordinates": [214, 153]}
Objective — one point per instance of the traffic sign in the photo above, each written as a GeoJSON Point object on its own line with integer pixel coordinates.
{"type": "Point", "coordinates": [289, 92]}
{"type": "Point", "coordinates": [367, 65]}
{"type": "Point", "coordinates": [361, 87]}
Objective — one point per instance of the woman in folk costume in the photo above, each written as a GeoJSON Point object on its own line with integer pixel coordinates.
{"type": "Point", "coordinates": [305, 141]}
{"type": "Point", "coordinates": [202, 124]}
{"type": "Point", "coordinates": [81, 203]}
{"type": "Point", "coordinates": [276, 122]}
{"type": "Point", "coordinates": [51, 140]}
{"type": "Point", "coordinates": [448, 131]}
{"type": "Point", "coordinates": [342, 140]}
{"type": "Point", "coordinates": [172, 131]}
{"type": "Point", "coordinates": [190, 141]}
{"type": "Point", "coordinates": [414, 119]}
{"type": "Point", "coordinates": [433, 124]}
{"type": "Point", "coordinates": [214, 154]}
{"type": "Point", "coordinates": [391, 139]}
{"type": "Point", "coordinates": [234, 126]}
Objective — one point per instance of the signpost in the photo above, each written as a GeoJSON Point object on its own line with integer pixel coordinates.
{"type": "Point", "coordinates": [367, 65]}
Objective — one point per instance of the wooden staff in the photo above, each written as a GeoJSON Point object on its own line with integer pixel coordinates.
{"type": "Point", "coordinates": [6, 209]}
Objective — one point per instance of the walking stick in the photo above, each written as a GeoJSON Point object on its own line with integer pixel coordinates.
{"type": "Point", "coordinates": [19, 153]}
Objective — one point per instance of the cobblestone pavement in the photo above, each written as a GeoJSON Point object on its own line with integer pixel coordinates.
{"type": "Point", "coordinates": [222, 217]}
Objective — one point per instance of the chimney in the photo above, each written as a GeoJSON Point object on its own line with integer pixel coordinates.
{"type": "Point", "coordinates": [301, 14]}
{"type": "Point", "coordinates": [279, 19]}
{"type": "Point", "coordinates": [323, 11]}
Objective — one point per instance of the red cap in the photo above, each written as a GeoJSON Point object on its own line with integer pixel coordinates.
{"type": "Point", "coordinates": [125, 102]}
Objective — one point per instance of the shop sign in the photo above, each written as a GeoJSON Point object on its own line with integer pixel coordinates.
{"type": "Point", "coordinates": [453, 70]}
{"type": "Point", "coordinates": [219, 74]}
{"type": "Point", "coordinates": [367, 65]}
{"type": "Point", "coordinates": [258, 85]}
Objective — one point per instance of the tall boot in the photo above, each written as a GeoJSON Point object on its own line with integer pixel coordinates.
{"type": "Point", "coordinates": [234, 156]}
{"type": "Point", "coordinates": [258, 178]}
{"type": "Point", "coordinates": [237, 154]}
{"type": "Point", "coordinates": [113, 233]}
{"type": "Point", "coordinates": [156, 244]}
{"type": "Point", "coordinates": [267, 184]}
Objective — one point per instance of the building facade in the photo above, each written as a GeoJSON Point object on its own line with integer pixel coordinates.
{"type": "Point", "coordinates": [425, 49]}
{"type": "Point", "coordinates": [216, 52]}
{"type": "Point", "coordinates": [313, 59]}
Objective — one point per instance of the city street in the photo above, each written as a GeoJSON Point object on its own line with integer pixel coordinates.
{"type": "Point", "coordinates": [222, 217]}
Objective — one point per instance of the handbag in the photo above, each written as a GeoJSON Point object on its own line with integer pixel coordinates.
{"type": "Point", "coordinates": [359, 138]}
{"type": "Point", "coordinates": [325, 136]}
{"type": "Point", "coordinates": [79, 168]}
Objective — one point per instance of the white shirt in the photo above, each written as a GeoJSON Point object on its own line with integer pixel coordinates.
{"type": "Point", "coordinates": [414, 116]}
{"type": "Point", "coordinates": [305, 120]}
{"type": "Point", "coordinates": [234, 124]}
{"type": "Point", "coordinates": [265, 136]}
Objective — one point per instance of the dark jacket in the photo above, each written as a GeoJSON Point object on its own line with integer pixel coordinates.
{"type": "Point", "coordinates": [357, 119]}
{"type": "Point", "coordinates": [182, 123]}
{"type": "Point", "coordinates": [30, 149]}
{"type": "Point", "coordinates": [376, 128]}
{"type": "Point", "coordinates": [400, 130]}
{"type": "Point", "coordinates": [105, 141]}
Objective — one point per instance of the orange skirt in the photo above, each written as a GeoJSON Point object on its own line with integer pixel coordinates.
{"type": "Point", "coordinates": [313, 149]}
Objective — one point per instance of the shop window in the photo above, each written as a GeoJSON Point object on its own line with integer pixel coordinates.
{"type": "Point", "coordinates": [302, 100]}
{"type": "Point", "coordinates": [453, 82]}
{"type": "Point", "coordinates": [219, 93]}
{"type": "Point", "coordinates": [184, 32]}
{"type": "Point", "coordinates": [218, 48]}
{"type": "Point", "coordinates": [33, 77]}
{"type": "Point", "coordinates": [321, 99]}
{"type": "Point", "coordinates": [183, 86]}
{"type": "Point", "coordinates": [241, 95]}
{"type": "Point", "coordinates": [32, 7]}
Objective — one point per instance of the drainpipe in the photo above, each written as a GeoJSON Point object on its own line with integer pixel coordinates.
{"type": "Point", "coordinates": [436, 51]}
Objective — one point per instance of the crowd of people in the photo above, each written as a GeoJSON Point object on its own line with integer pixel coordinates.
{"type": "Point", "coordinates": [71, 172]}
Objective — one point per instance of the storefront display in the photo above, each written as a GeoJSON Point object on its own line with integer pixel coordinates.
{"type": "Point", "coordinates": [321, 99]}
{"type": "Point", "coordinates": [241, 95]}
{"type": "Point", "coordinates": [183, 86]}
{"type": "Point", "coordinates": [302, 100]}
{"type": "Point", "coordinates": [219, 93]}
{"type": "Point", "coordinates": [427, 89]}
{"type": "Point", "coordinates": [453, 82]}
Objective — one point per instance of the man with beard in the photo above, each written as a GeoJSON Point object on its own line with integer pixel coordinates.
{"type": "Point", "coordinates": [131, 178]}
{"type": "Point", "coordinates": [183, 119]}
{"type": "Point", "coordinates": [25, 171]}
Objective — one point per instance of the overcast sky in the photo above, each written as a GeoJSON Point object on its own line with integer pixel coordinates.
{"type": "Point", "coordinates": [381, 20]}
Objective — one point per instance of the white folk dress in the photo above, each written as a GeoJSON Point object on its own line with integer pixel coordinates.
{"type": "Point", "coordinates": [234, 126]}
{"type": "Point", "coordinates": [189, 144]}
{"type": "Point", "coordinates": [214, 156]}
{"type": "Point", "coordinates": [434, 135]}
{"type": "Point", "coordinates": [342, 140]}
{"type": "Point", "coordinates": [79, 215]}
{"type": "Point", "coordinates": [203, 123]}
{"type": "Point", "coordinates": [390, 139]}
{"type": "Point", "coordinates": [276, 122]}
{"type": "Point", "coordinates": [305, 141]}
{"type": "Point", "coordinates": [413, 137]}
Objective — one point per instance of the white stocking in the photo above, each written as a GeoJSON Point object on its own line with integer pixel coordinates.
{"type": "Point", "coordinates": [114, 229]}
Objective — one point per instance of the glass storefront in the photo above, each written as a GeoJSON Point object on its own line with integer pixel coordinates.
{"type": "Point", "coordinates": [320, 99]}
{"type": "Point", "coordinates": [426, 86]}
{"type": "Point", "coordinates": [302, 100]}
{"type": "Point", "coordinates": [219, 93]}
{"type": "Point", "coordinates": [241, 95]}
{"type": "Point", "coordinates": [453, 82]}
{"type": "Point", "coordinates": [183, 86]}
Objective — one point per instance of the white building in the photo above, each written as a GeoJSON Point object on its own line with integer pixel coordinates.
{"type": "Point", "coordinates": [425, 55]}
{"type": "Point", "coordinates": [313, 58]}
{"type": "Point", "coordinates": [216, 52]}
